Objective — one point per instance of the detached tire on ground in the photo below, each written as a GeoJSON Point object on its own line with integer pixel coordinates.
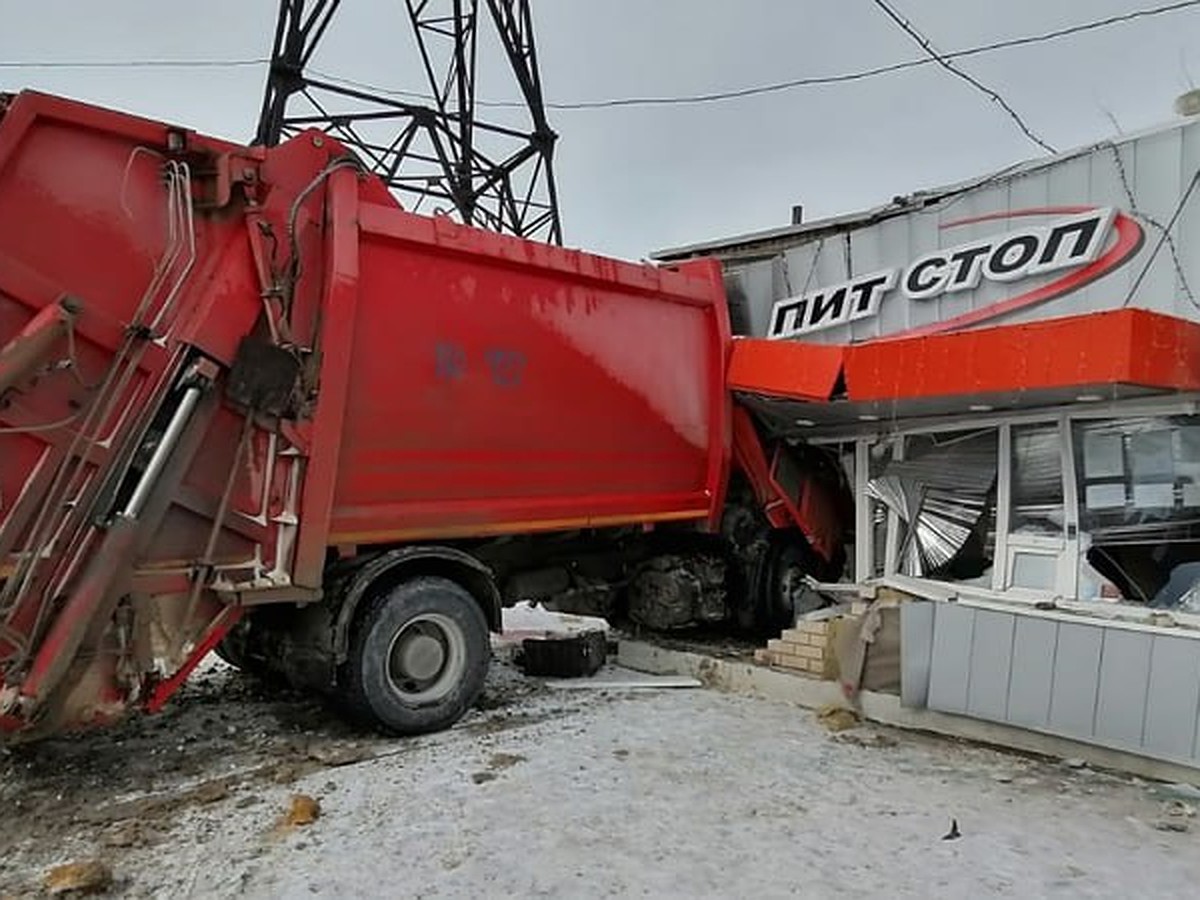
{"type": "Point", "coordinates": [418, 658]}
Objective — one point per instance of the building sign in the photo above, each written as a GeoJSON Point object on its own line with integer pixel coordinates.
{"type": "Point", "coordinates": [1075, 243]}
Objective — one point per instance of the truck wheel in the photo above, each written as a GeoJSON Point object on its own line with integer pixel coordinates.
{"type": "Point", "coordinates": [235, 650]}
{"type": "Point", "coordinates": [232, 649]}
{"type": "Point", "coordinates": [785, 595]}
{"type": "Point", "coordinates": [419, 655]}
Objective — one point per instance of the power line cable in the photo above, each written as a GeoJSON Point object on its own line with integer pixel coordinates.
{"type": "Point", "coordinates": [678, 100]}
{"type": "Point", "coordinates": [810, 81]}
{"type": "Point", "coordinates": [908, 28]}
{"type": "Point", "coordinates": [140, 63]}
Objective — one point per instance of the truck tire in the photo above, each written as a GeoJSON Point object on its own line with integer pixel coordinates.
{"type": "Point", "coordinates": [235, 651]}
{"type": "Point", "coordinates": [783, 596]}
{"type": "Point", "coordinates": [418, 657]}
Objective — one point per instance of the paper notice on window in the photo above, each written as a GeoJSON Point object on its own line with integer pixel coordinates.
{"type": "Point", "coordinates": [1154, 496]}
{"type": "Point", "coordinates": [1103, 455]}
{"type": "Point", "coordinates": [1105, 496]}
{"type": "Point", "coordinates": [1151, 456]}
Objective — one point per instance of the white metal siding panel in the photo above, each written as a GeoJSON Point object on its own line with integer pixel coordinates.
{"type": "Point", "coordinates": [1187, 230]}
{"type": "Point", "coordinates": [757, 282]}
{"type": "Point", "coordinates": [1034, 645]}
{"type": "Point", "coordinates": [1157, 188]}
{"type": "Point", "coordinates": [1076, 679]}
{"type": "Point", "coordinates": [991, 664]}
{"type": "Point", "coordinates": [1129, 689]}
{"type": "Point", "coordinates": [1124, 680]}
{"type": "Point", "coordinates": [916, 652]}
{"type": "Point", "coordinates": [868, 253]}
{"type": "Point", "coordinates": [1173, 698]}
{"type": "Point", "coordinates": [950, 669]}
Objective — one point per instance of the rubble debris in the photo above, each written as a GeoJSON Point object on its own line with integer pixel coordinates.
{"type": "Point", "coordinates": [304, 810]}
{"type": "Point", "coordinates": [128, 834]}
{"type": "Point", "coordinates": [483, 777]}
{"type": "Point", "coordinates": [837, 718]}
{"type": "Point", "coordinates": [1175, 817]}
{"type": "Point", "coordinates": [505, 761]}
{"type": "Point", "coordinates": [572, 656]}
{"type": "Point", "coordinates": [338, 755]}
{"type": "Point", "coordinates": [1179, 809]}
{"type": "Point", "coordinates": [1175, 825]}
{"type": "Point", "coordinates": [953, 834]}
{"type": "Point", "coordinates": [874, 740]}
{"type": "Point", "coordinates": [1074, 762]}
{"type": "Point", "coordinates": [211, 792]}
{"type": "Point", "coordinates": [87, 877]}
{"type": "Point", "coordinates": [285, 773]}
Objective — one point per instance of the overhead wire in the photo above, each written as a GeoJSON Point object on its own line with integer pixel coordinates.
{"type": "Point", "coordinates": [863, 74]}
{"type": "Point", "coordinates": [1164, 238]}
{"type": "Point", "coordinates": [138, 63]}
{"type": "Point", "coordinates": [911, 30]}
{"type": "Point", "coordinates": [673, 100]}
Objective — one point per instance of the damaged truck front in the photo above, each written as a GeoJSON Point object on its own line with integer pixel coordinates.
{"type": "Point", "coordinates": [247, 403]}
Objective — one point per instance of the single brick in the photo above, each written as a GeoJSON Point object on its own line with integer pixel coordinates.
{"type": "Point", "coordinates": [815, 627]}
{"type": "Point", "coordinates": [812, 652]}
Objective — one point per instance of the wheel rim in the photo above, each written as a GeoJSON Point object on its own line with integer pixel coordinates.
{"type": "Point", "coordinates": [427, 658]}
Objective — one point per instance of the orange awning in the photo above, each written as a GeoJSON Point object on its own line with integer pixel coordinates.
{"type": "Point", "coordinates": [1119, 353]}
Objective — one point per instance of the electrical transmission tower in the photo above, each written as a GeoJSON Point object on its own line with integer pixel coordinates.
{"type": "Point", "coordinates": [428, 147]}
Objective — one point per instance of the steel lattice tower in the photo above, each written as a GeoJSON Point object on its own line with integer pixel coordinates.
{"type": "Point", "coordinates": [437, 149]}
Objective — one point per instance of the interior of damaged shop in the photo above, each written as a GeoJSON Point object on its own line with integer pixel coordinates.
{"type": "Point", "coordinates": [1079, 505]}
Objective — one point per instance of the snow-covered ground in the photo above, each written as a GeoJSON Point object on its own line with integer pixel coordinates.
{"type": "Point", "coordinates": [673, 793]}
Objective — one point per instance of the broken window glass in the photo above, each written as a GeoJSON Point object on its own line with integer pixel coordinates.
{"type": "Point", "coordinates": [1139, 487]}
{"type": "Point", "coordinates": [940, 492]}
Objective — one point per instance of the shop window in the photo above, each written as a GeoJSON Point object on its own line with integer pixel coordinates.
{"type": "Point", "coordinates": [1037, 480]}
{"type": "Point", "coordinates": [1139, 479]}
{"type": "Point", "coordinates": [1139, 489]}
{"type": "Point", "coordinates": [941, 492]}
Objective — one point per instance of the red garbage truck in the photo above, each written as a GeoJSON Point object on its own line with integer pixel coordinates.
{"type": "Point", "coordinates": [249, 404]}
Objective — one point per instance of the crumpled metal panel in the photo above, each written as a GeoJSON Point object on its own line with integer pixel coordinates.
{"type": "Point", "coordinates": [940, 494]}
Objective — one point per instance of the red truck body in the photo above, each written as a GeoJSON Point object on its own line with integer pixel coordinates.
{"type": "Point", "coordinates": [223, 368]}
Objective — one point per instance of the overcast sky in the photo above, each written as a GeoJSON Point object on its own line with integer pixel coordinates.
{"type": "Point", "coordinates": [632, 181]}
